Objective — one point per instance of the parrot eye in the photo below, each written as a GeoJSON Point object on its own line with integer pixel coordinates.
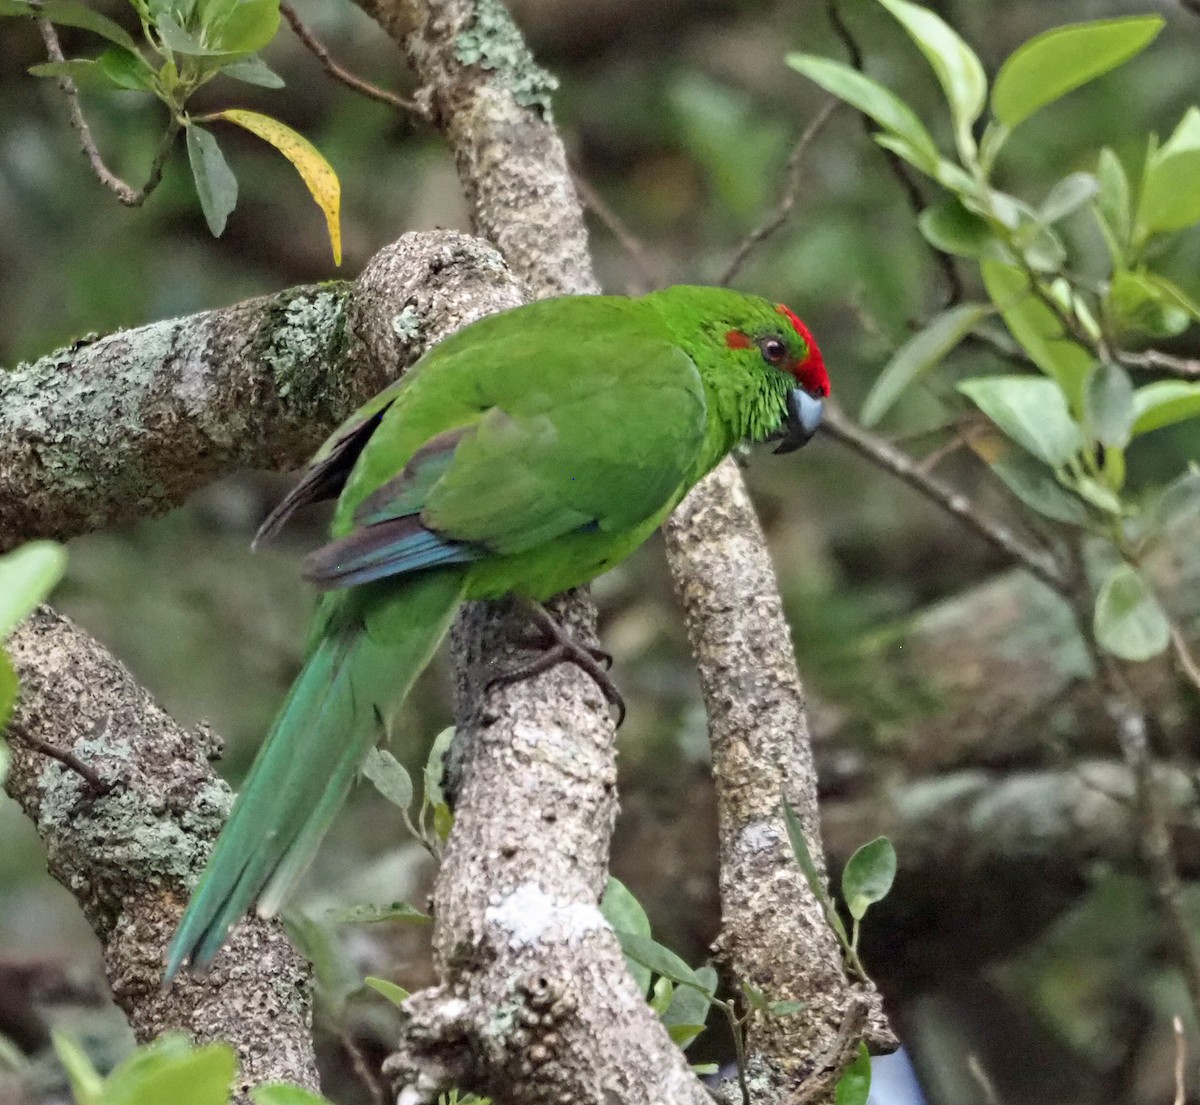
{"type": "Point", "coordinates": [773, 350]}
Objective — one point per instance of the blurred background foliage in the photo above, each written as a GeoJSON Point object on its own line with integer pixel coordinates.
{"type": "Point", "coordinates": [1043, 979]}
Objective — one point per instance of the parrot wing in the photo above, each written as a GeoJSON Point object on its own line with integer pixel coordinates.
{"type": "Point", "coordinates": [601, 438]}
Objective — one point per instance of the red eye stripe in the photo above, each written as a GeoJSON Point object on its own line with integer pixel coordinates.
{"type": "Point", "coordinates": [810, 372]}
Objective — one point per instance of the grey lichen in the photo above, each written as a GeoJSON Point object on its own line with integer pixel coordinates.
{"type": "Point", "coordinates": [407, 324]}
{"type": "Point", "coordinates": [493, 42]}
{"type": "Point", "coordinates": [304, 335]}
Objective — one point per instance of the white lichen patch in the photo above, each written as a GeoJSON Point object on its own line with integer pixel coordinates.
{"type": "Point", "coordinates": [758, 836]}
{"type": "Point", "coordinates": [528, 915]}
{"type": "Point", "coordinates": [407, 324]}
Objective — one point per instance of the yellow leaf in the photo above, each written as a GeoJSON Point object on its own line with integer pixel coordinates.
{"type": "Point", "coordinates": [317, 174]}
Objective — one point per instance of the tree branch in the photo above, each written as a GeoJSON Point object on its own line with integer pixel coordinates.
{"type": "Point", "coordinates": [130, 854]}
{"type": "Point", "coordinates": [339, 73]}
{"type": "Point", "coordinates": [127, 195]}
{"type": "Point", "coordinates": [773, 933]}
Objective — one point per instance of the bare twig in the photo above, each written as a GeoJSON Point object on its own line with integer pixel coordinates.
{"type": "Point", "coordinates": [1154, 360]}
{"type": "Point", "coordinates": [1184, 657]}
{"type": "Point", "coordinates": [787, 200]}
{"type": "Point", "coordinates": [950, 273]}
{"type": "Point", "coordinates": [1180, 1060]}
{"type": "Point", "coordinates": [625, 237]}
{"type": "Point", "coordinates": [126, 194]}
{"type": "Point", "coordinates": [342, 74]}
{"type": "Point", "coordinates": [1040, 564]}
{"type": "Point", "coordinates": [96, 785]}
{"type": "Point", "coordinates": [1129, 721]}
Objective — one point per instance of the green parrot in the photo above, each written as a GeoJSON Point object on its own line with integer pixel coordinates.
{"type": "Point", "coordinates": [524, 455]}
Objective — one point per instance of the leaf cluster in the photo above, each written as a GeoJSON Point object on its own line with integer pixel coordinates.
{"type": "Point", "coordinates": [1063, 431]}
{"type": "Point", "coordinates": [185, 44]}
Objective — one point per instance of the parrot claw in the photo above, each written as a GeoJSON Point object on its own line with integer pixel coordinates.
{"type": "Point", "coordinates": [559, 647]}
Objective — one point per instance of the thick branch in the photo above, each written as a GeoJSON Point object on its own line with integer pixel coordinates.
{"type": "Point", "coordinates": [773, 934]}
{"type": "Point", "coordinates": [130, 854]}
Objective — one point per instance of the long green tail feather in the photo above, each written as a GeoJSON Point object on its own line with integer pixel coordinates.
{"type": "Point", "coordinates": [375, 641]}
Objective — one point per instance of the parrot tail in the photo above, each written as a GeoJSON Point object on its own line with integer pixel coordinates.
{"type": "Point", "coordinates": [371, 645]}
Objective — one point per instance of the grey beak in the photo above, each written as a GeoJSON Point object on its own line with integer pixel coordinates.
{"type": "Point", "coordinates": [804, 415]}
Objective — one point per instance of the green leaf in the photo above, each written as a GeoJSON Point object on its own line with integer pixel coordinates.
{"type": "Point", "coordinates": [1059, 61]}
{"type": "Point", "coordinates": [1037, 488]}
{"type": "Point", "coordinates": [950, 227]}
{"type": "Point", "coordinates": [1171, 187]}
{"type": "Point", "coordinates": [661, 995]}
{"type": "Point", "coordinates": [27, 575]}
{"type": "Point", "coordinates": [443, 821]}
{"type": "Point", "coordinates": [689, 1005]}
{"type": "Point", "coordinates": [871, 98]}
{"type": "Point", "coordinates": [71, 13]}
{"type": "Point", "coordinates": [397, 995]}
{"type": "Point", "coordinates": [662, 961]}
{"type": "Point", "coordinates": [85, 72]}
{"type": "Point", "coordinates": [435, 767]}
{"type": "Point", "coordinates": [253, 71]}
{"type": "Point", "coordinates": [812, 876]}
{"type": "Point", "coordinates": [1110, 404]}
{"type": "Point", "coordinates": [754, 996]}
{"type": "Point", "coordinates": [248, 27]}
{"type": "Point", "coordinates": [868, 876]}
{"type": "Point", "coordinates": [215, 183]}
{"type": "Point", "coordinates": [918, 355]}
{"type": "Point", "coordinates": [280, 1093]}
{"type": "Point", "coordinates": [1114, 202]}
{"type": "Point", "coordinates": [1031, 410]}
{"type": "Point", "coordinates": [625, 913]}
{"type": "Point", "coordinates": [1068, 196]}
{"type": "Point", "coordinates": [958, 69]}
{"type": "Point", "coordinates": [1038, 330]}
{"type": "Point", "coordinates": [705, 1070]}
{"type": "Point", "coordinates": [8, 696]}
{"type": "Point", "coordinates": [622, 910]}
{"type": "Point", "coordinates": [787, 1008]}
{"type": "Point", "coordinates": [318, 175]}
{"type": "Point", "coordinates": [171, 1070]}
{"type": "Point", "coordinates": [179, 41]}
{"type": "Point", "coordinates": [127, 69]}
{"type": "Point", "coordinates": [1163, 404]}
{"type": "Point", "coordinates": [1129, 622]}
{"type": "Point", "coordinates": [683, 1034]}
{"type": "Point", "coordinates": [87, 1087]}
{"type": "Point", "coordinates": [389, 776]}
{"type": "Point", "coordinates": [372, 914]}
{"type": "Point", "coordinates": [1136, 301]}
{"type": "Point", "coordinates": [854, 1086]}
{"type": "Point", "coordinates": [1100, 495]}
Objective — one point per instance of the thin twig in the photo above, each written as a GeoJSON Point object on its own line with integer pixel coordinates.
{"type": "Point", "coordinates": [340, 73]}
{"type": "Point", "coordinates": [69, 760]}
{"type": "Point", "coordinates": [1132, 731]}
{"type": "Point", "coordinates": [787, 200]}
{"type": "Point", "coordinates": [625, 237]}
{"type": "Point", "coordinates": [1180, 1060]}
{"type": "Point", "coordinates": [912, 193]}
{"type": "Point", "coordinates": [126, 194]}
{"type": "Point", "coordinates": [906, 468]}
{"type": "Point", "coordinates": [1154, 360]}
{"type": "Point", "coordinates": [1184, 657]}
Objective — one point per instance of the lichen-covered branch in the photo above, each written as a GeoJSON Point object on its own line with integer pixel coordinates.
{"type": "Point", "coordinates": [122, 427]}
{"type": "Point", "coordinates": [130, 854]}
{"type": "Point", "coordinates": [773, 934]}
{"type": "Point", "coordinates": [491, 100]}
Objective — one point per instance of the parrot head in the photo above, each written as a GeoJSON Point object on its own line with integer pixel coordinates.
{"type": "Point", "coordinates": [785, 344]}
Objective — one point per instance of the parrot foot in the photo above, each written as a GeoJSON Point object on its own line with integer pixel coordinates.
{"type": "Point", "coordinates": [559, 647]}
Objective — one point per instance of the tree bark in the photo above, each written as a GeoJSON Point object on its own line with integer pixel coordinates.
{"type": "Point", "coordinates": [130, 855]}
